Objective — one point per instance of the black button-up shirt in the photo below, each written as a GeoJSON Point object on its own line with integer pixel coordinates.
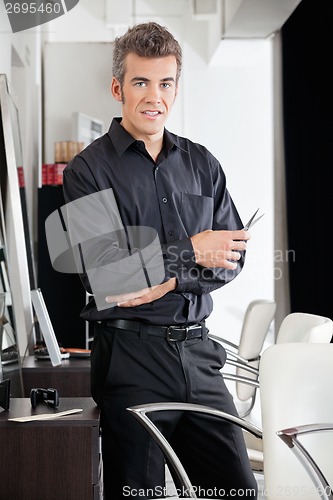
{"type": "Point", "coordinates": [181, 194]}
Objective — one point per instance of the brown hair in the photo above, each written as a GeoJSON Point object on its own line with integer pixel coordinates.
{"type": "Point", "coordinates": [145, 40]}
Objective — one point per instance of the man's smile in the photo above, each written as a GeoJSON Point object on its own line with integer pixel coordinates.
{"type": "Point", "coordinates": [151, 114]}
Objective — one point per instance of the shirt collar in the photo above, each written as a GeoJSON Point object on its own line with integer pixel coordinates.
{"type": "Point", "coordinates": [171, 140]}
{"type": "Point", "coordinates": [122, 140]}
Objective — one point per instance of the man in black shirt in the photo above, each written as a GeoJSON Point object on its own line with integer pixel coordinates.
{"type": "Point", "coordinates": [151, 345]}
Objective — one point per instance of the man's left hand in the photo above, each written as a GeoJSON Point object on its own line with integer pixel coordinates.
{"type": "Point", "coordinates": [144, 296]}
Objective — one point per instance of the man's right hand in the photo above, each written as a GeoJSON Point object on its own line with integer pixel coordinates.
{"type": "Point", "coordinates": [219, 248]}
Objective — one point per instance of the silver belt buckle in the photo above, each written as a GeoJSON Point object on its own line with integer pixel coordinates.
{"type": "Point", "coordinates": [170, 329]}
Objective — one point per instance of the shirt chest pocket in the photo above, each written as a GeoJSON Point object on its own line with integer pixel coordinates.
{"type": "Point", "coordinates": [196, 212]}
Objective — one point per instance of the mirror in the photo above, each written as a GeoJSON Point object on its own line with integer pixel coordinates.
{"type": "Point", "coordinates": [10, 366]}
{"type": "Point", "coordinates": [16, 260]}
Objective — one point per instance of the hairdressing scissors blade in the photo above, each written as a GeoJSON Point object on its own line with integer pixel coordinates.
{"type": "Point", "coordinates": [252, 221]}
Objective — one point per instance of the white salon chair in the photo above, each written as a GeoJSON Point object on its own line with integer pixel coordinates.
{"type": "Point", "coordinates": [256, 323]}
{"type": "Point", "coordinates": [295, 327]}
{"type": "Point", "coordinates": [295, 390]}
{"type": "Point", "coordinates": [305, 327]}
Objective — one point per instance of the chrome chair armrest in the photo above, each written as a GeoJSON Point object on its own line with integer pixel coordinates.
{"type": "Point", "coordinates": [253, 382]}
{"type": "Point", "coordinates": [287, 435]}
{"type": "Point", "coordinates": [222, 340]}
{"type": "Point", "coordinates": [239, 364]}
{"type": "Point", "coordinates": [140, 413]}
{"type": "Point", "coordinates": [239, 378]}
{"type": "Point", "coordinates": [239, 357]}
{"type": "Point", "coordinates": [290, 437]}
{"type": "Point", "coordinates": [232, 353]}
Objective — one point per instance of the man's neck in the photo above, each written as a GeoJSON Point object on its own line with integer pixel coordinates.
{"type": "Point", "coordinates": [153, 143]}
{"type": "Point", "coordinates": [154, 147]}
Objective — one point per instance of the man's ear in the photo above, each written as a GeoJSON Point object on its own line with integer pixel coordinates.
{"type": "Point", "coordinates": [116, 89]}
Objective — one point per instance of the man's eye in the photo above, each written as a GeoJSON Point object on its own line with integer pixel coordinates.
{"type": "Point", "coordinates": [166, 85]}
{"type": "Point", "coordinates": [140, 84]}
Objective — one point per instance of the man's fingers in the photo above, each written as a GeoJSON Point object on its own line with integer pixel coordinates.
{"type": "Point", "coordinates": [216, 248]}
{"type": "Point", "coordinates": [234, 256]}
{"type": "Point", "coordinates": [240, 234]}
{"type": "Point", "coordinates": [127, 296]}
{"type": "Point", "coordinates": [154, 293]}
{"type": "Point", "coordinates": [238, 245]}
{"type": "Point", "coordinates": [144, 299]}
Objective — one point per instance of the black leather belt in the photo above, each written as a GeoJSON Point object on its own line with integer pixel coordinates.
{"type": "Point", "coordinates": [171, 333]}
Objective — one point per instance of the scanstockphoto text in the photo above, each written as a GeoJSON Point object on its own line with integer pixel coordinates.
{"type": "Point", "coordinates": [164, 492]}
{"type": "Point", "coordinates": [110, 250]}
{"type": "Point", "coordinates": [112, 254]}
{"type": "Point", "coordinates": [183, 264]}
{"type": "Point", "coordinates": [283, 491]}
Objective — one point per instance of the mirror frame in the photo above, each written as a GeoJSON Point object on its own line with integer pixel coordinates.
{"type": "Point", "coordinates": [14, 228]}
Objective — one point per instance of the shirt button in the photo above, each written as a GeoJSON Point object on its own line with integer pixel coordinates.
{"type": "Point", "coordinates": [157, 168]}
{"type": "Point", "coordinates": [171, 233]}
{"type": "Point", "coordinates": [164, 200]}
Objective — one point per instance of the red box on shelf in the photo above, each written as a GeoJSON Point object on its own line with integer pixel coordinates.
{"type": "Point", "coordinates": [20, 173]}
{"type": "Point", "coordinates": [47, 174]}
{"type": "Point", "coordinates": [58, 173]}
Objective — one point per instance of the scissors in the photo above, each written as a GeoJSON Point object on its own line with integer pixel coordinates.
{"type": "Point", "coordinates": [252, 221]}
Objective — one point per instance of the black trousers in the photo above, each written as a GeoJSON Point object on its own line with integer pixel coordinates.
{"type": "Point", "coordinates": [128, 369]}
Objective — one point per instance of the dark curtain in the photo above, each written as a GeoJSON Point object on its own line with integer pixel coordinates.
{"type": "Point", "coordinates": [307, 54]}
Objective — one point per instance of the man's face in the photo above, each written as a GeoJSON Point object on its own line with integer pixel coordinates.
{"type": "Point", "coordinates": [147, 95]}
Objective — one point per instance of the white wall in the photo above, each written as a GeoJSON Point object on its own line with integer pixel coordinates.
{"type": "Point", "coordinates": [77, 77]}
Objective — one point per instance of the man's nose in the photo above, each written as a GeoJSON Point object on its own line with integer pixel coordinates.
{"type": "Point", "coordinates": [153, 95]}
